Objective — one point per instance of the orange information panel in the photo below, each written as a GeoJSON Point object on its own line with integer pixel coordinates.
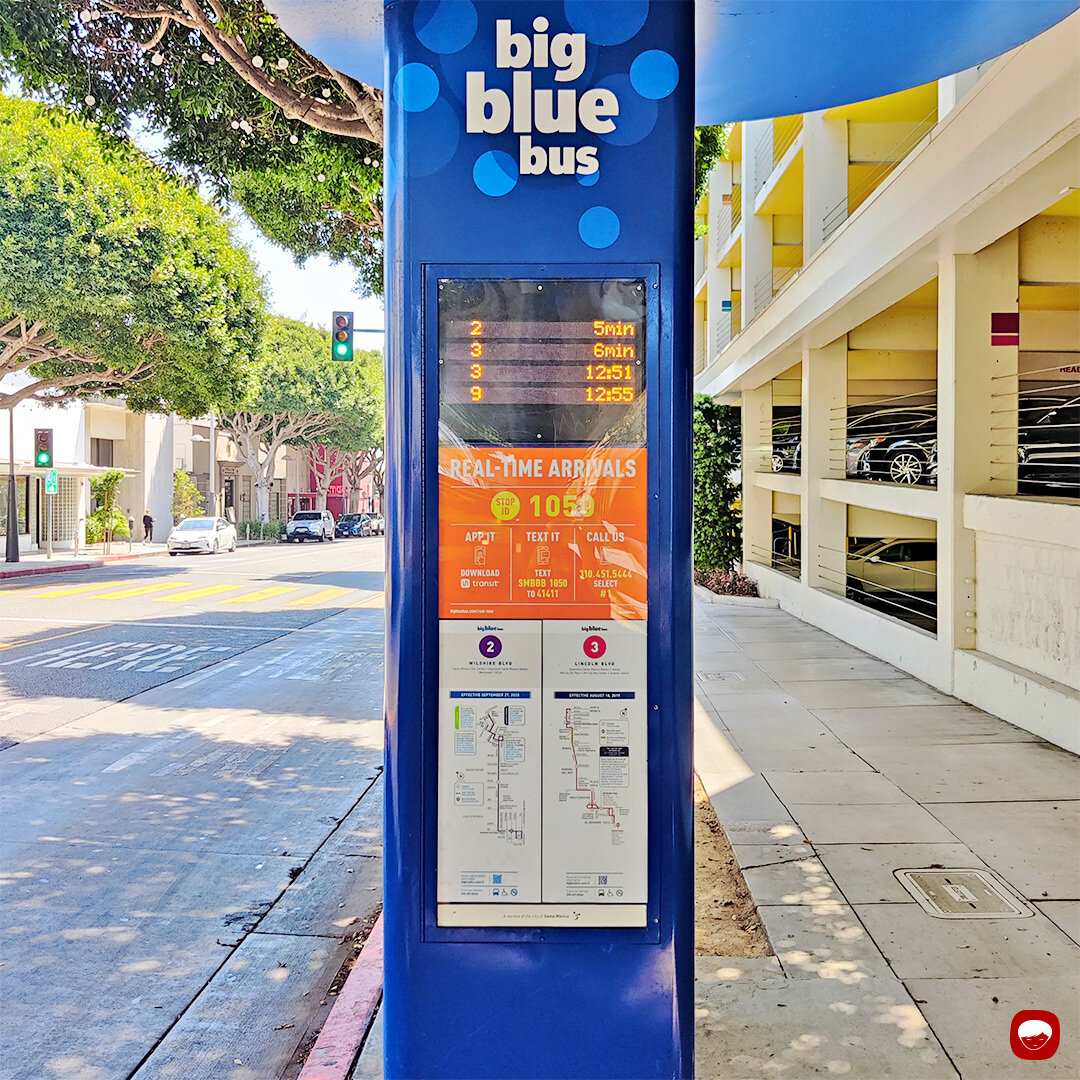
{"type": "Point", "coordinates": [543, 533]}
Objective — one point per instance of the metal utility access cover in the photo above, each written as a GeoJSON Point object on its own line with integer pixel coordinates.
{"type": "Point", "coordinates": [963, 894]}
{"type": "Point", "coordinates": [720, 675]}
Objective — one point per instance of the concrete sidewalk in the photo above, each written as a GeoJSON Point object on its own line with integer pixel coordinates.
{"type": "Point", "coordinates": [37, 562]}
{"type": "Point", "coordinates": [829, 770]}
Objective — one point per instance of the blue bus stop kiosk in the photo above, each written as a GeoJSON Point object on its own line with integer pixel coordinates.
{"type": "Point", "coordinates": [538, 164]}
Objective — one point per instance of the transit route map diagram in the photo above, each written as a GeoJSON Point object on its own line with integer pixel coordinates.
{"type": "Point", "coordinates": [542, 797]}
{"type": "Point", "coordinates": [489, 762]}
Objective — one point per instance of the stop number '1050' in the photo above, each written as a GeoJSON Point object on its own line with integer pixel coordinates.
{"type": "Point", "coordinates": [554, 506]}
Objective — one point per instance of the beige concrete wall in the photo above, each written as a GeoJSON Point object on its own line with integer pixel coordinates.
{"type": "Point", "coordinates": [1027, 572]}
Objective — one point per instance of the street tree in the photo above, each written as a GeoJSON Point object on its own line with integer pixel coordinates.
{"type": "Point", "coordinates": [115, 278]}
{"type": "Point", "coordinates": [297, 395]}
{"type": "Point", "coordinates": [361, 465]}
{"type": "Point", "coordinates": [107, 520]}
{"type": "Point", "coordinates": [295, 142]}
{"type": "Point", "coordinates": [353, 440]}
{"type": "Point", "coordinates": [187, 500]}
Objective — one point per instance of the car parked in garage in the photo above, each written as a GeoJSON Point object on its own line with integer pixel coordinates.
{"type": "Point", "coordinates": [1049, 446]}
{"type": "Point", "coordinates": [899, 445]}
{"type": "Point", "coordinates": [893, 567]}
{"type": "Point", "coordinates": [309, 525]}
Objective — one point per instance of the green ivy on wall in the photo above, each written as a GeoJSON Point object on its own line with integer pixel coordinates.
{"type": "Point", "coordinates": [717, 513]}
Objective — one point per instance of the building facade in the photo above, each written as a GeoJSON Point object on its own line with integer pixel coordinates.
{"type": "Point", "coordinates": [891, 291]}
{"type": "Point", "coordinates": [89, 438]}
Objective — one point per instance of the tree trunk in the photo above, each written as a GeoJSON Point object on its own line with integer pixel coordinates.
{"type": "Point", "coordinates": [262, 497]}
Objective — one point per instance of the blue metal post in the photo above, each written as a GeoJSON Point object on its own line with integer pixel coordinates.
{"type": "Point", "coordinates": [535, 1000]}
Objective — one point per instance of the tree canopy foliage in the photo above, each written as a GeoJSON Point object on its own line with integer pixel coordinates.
{"type": "Point", "coordinates": [709, 145]}
{"type": "Point", "coordinates": [115, 277]}
{"type": "Point", "coordinates": [299, 395]}
{"type": "Point", "coordinates": [294, 142]}
{"type": "Point", "coordinates": [717, 518]}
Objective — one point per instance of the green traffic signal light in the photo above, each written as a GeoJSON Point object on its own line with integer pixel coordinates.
{"type": "Point", "coordinates": [342, 348]}
{"type": "Point", "coordinates": [43, 448]}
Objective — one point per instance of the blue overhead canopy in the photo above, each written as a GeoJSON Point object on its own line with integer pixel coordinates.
{"type": "Point", "coordinates": [754, 59]}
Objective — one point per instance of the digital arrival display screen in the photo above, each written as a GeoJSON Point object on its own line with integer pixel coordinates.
{"type": "Point", "coordinates": [542, 362]}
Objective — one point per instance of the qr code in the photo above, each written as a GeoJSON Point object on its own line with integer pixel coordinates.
{"type": "Point", "coordinates": [601, 879]}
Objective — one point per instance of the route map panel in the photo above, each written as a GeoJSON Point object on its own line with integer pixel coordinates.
{"type": "Point", "coordinates": [543, 586]}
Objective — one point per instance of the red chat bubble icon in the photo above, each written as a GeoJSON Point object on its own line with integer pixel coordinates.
{"type": "Point", "coordinates": [1034, 1034]}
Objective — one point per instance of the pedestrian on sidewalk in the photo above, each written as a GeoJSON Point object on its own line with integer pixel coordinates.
{"type": "Point", "coordinates": [148, 527]}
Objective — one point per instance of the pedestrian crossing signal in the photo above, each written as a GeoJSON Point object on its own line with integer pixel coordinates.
{"type": "Point", "coordinates": [342, 335]}
{"type": "Point", "coordinates": [43, 456]}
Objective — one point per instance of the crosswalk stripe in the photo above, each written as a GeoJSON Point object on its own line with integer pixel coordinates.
{"type": "Point", "coordinates": [68, 590]}
{"type": "Point", "coordinates": [376, 601]}
{"type": "Point", "coordinates": [319, 597]}
{"type": "Point", "coordinates": [139, 590]}
{"type": "Point", "coordinates": [261, 594]}
{"type": "Point", "coordinates": [195, 594]}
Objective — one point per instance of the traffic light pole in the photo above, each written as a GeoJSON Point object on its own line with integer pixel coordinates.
{"type": "Point", "coordinates": [12, 506]}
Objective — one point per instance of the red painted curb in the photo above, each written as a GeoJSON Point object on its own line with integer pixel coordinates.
{"type": "Point", "coordinates": [60, 568]}
{"type": "Point", "coordinates": [334, 1051]}
{"type": "Point", "coordinates": [32, 570]}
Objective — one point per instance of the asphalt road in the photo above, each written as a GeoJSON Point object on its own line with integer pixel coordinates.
{"type": "Point", "coordinates": [190, 791]}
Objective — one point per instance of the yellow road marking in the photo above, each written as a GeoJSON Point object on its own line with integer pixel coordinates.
{"type": "Point", "coordinates": [139, 590]}
{"type": "Point", "coordinates": [51, 637]}
{"type": "Point", "coordinates": [67, 590]}
{"type": "Point", "coordinates": [262, 594]}
{"type": "Point", "coordinates": [376, 601]}
{"type": "Point", "coordinates": [194, 594]}
{"type": "Point", "coordinates": [319, 597]}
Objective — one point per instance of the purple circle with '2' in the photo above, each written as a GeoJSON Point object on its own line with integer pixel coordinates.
{"type": "Point", "coordinates": [490, 646]}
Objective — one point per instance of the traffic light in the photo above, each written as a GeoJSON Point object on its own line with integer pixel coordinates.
{"type": "Point", "coordinates": [342, 335]}
{"type": "Point", "coordinates": [43, 447]}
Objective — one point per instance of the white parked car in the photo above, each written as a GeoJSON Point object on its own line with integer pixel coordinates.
{"type": "Point", "coordinates": [309, 525]}
{"type": "Point", "coordinates": [893, 567]}
{"type": "Point", "coordinates": [202, 534]}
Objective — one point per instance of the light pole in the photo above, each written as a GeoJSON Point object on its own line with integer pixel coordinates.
{"type": "Point", "coordinates": [12, 504]}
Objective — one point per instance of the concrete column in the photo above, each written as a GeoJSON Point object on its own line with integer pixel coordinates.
{"type": "Point", "coordinates": [719, 328]}
{"type": "Point", "coordinates": [953, 88]}
{"type": "Point", "coordinates": [824, 421]}
{"type": "Point", "coordinates": [757, 228]}
{"type": "Point", "coordinates": [756, 455]}
{"type": "Point", "coordinates": [977, 384]}
{"type": "Point", "coordinates": [719, 185]}
{"type": "Point", "coordinates": [825, 176]}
